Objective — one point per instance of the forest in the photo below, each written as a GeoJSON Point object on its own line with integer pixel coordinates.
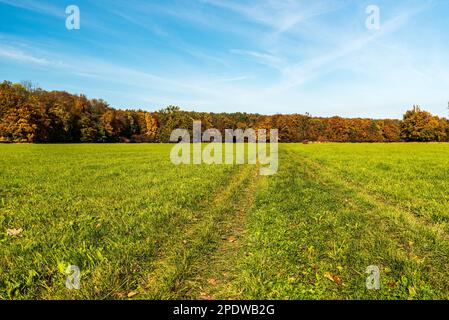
{"type": "Point", "coordinates": [33, 115]}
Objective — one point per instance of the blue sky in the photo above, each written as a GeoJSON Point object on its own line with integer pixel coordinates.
{"type": "Point", "coordinates": [265, 56]}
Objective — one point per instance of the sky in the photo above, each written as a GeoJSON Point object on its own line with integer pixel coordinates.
{"type": "Point", "coordinates": [261, 56]}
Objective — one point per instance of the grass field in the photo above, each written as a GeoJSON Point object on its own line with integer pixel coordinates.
{"type": "Point", "coordinates": [139, 227]}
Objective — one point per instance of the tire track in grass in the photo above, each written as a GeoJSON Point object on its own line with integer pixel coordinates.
{"type": "Point", "coordinates": [171, 278]}
{"type": "Point", "coordinates": [310, 237]}
{"type": "Point", "coordinates": [413, 241]}
{"type": "Point", "coordinates": [213, 275]}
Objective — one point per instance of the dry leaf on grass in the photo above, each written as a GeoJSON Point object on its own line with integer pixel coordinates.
{"type": "Point", "coordinates": [14, 232]}
{"type": "Point", "coordinates": [120, 295]}
{"type": "Point", "coordinates": [205, 296]}
{"type": "Point", "coordinates": [132, 294]}
{"type": "Point", "coordinates": [333, 278]}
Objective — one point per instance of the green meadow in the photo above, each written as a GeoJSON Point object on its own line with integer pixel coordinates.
{"type": "Point", "coordinates": [139, 227]}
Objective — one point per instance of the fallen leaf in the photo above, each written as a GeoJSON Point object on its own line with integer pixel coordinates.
{"type": "Point", "coordinates": [132, 294]}
{"type": "Point", "coordinates": [232, 239]}
{"type": "Point", "coordinates": [14, 232]}
{"type": "Point", "coordinates": [120, 295]}
{"type": "Point", "coordinates": [338, 280]}
{"type": "Point", "coordinates": [329, 276]}
{"type": "Point", "coordinates": [212, 282]}
{"type": "Point", "coordinates": [205, 296]}
{"type": "Point", "coordinates": [333, 278]}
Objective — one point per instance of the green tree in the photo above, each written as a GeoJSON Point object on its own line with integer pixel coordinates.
{"type": "Point", "coordinates": [422, 126]}
{"type": "Point", "coordinates": [172, 118]}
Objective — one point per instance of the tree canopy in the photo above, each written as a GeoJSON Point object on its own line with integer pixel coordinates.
{"type": "Point", "coordinates": [421, 126]}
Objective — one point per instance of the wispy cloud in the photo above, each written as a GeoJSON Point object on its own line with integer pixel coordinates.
{"type": "Point", "coordinates": [295, 73]}
{"type": "Point", "coordinates": [21, 56]}
{"type": "Point", "coordinates": [279, 15]}
{"type": "Point", "coordinates": [264, 58]}
{"type": "Point", "coordinates": [36, 6]}
{"type": "Point", "coordinates": [97, 69]}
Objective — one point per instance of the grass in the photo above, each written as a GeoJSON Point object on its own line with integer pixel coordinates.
{"type": "Point", "coordinates": [139, 227]}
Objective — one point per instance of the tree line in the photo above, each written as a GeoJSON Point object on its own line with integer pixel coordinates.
{"type": "Point", "coordinates": [33, 115]}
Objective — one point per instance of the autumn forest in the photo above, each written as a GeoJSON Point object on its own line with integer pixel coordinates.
{"type": "Point", "coordinates": [34, 115]}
